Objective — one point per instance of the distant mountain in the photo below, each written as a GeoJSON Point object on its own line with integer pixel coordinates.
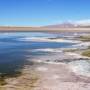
{"type": "Point", "coordinates": [68, 25]}
{"type": "Point", "coordinates": [62, 25]}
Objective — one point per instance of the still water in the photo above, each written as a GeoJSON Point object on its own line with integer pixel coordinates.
{"type": "Point", "coordinates": [15, 48]}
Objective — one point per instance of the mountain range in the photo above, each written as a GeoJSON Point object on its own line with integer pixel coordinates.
{"type": "Point", "coordinates": [62, 27]}
{"type": "Point", "coordinates": [69, 25]}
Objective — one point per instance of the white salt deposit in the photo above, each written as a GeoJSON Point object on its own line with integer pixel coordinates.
{"type": "Point", "coordinates": [47, 50]}
{"type": "Point", "coordinates": [74, 55]}
{"type": "Point", "coordinates": [82, 45]}
{"type": "Point", "coordinates": [41, 68]}
{"type": "Point", "coordinates": [45, 39]}
{"type": "Point", "coordinates": [55, 77]}
{"type": "Point", "coordinates": [81, 67]}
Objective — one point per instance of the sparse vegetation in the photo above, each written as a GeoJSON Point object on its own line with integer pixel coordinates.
{"type": "Point", "coordinates": [84, 38]}
{"type": "Point", "coordinates": [26, 79]}
{"type": "Point", "coordinates": [70, 50]}
{"type": "Point", "coordinates": [2, 81]}
{"type": "Point", "coordinates": [86, 53]}
{"type": "Point", "coordinates": [5, 76]}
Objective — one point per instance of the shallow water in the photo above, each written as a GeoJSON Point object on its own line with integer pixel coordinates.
{"type": "Point", "coordinates": [14, 52]}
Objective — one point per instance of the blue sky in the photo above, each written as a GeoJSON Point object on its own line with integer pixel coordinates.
{"type": "Point", "coordinates": [42, 12]}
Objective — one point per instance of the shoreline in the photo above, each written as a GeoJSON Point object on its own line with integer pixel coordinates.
{"type": "Point", "coordinates": [40, 29]}
{"type": "Point", "coordinates": [49, 71]}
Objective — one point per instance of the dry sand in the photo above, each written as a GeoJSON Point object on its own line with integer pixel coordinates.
{"type": "Point", "coordinates": [60, 77]}
{"type": "Point", "coordinates": [41, 29]}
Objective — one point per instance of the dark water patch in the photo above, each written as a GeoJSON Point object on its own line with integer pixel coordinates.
{"type": "Point", "coordinates": [11, 62]}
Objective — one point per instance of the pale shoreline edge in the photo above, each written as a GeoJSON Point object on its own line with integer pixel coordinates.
{"type": "Point", "coordinates": [38, 29]}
